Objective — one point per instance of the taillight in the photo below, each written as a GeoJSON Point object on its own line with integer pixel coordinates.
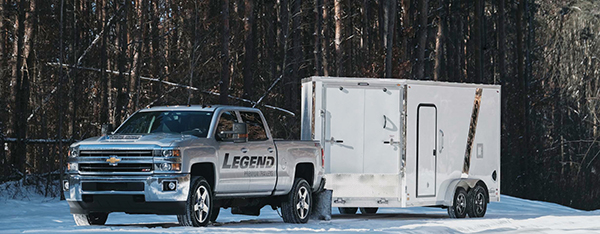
{"type": "Point", "coordinates": [322, 158]}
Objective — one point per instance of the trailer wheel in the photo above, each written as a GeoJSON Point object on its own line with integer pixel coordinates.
{"type": "Point", "coordinates": [459, 204]}
{"type": "Point", "coordinates": [297, 205]}
{"type": "Point", "coordinates": [477, 202]}
{"type": "Point", "coordinates": [199, 205]}
{"type": "Point", "coordinates": [369, 210]}
{"type": "Point", "coordinates": [347, 210]}
{"type": "Point", "coordinates": [90, 219]}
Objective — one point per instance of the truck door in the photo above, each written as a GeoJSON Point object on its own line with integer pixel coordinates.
{"type": "Point", "coordinates": [261, 158]}
{"type": "Point", "coordinates": [426, 150]}
{"type": "Point", "coordinates": [344, 129]}
{"type": "Point", "coordinates": [231, 175]}
{"type": "Point", "coordinates": [382, 130]}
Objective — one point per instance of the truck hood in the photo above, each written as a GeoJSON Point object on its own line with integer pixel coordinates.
{"type": "Point", "coordinates": [160, 139]}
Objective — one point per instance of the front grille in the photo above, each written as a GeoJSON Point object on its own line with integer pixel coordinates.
{"type": "Point", "coordinates": [117, 186]}
{"type": "Point", "coordinates": [120, 153]}
{"type": "Point", "coordinates": [123, 167]}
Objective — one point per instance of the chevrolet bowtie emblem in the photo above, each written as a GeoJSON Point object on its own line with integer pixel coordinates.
{"type": "Point", "coordinates": [113, 160]}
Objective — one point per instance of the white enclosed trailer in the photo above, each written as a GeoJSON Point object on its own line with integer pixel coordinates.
{"type": "Point", "coordinates": [404, 143]}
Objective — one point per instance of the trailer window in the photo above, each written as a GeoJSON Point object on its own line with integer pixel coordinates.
{"type": "Point", "coordinates": [256, 129]}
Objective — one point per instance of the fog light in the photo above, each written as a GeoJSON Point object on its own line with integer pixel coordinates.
{"type": "Point", "coordinates": [66, 185]}
{"type": "Point", "coordinates": [169, 185]}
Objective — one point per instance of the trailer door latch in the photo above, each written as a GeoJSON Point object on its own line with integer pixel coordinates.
{"type": "Point", "coordinates": [339, 201]}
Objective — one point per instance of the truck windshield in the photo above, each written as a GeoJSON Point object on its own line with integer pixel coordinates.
{"type": "Point", "coordinates": [179, 122]}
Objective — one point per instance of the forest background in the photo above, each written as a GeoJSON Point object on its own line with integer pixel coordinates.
{"type": "Point", "coordinates": [69, 67]}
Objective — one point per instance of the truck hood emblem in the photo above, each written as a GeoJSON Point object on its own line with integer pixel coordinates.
{"type": "Point", "coordinates": [113, 160]}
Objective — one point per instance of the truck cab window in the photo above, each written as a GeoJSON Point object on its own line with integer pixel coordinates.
{"type": "Point", "coordinates": [225, 123]}
{"type": "Point", "coordinates": [256, 129]}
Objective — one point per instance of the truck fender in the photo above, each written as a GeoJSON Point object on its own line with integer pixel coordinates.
{"type": "Point", "coordinates": [465, 183]}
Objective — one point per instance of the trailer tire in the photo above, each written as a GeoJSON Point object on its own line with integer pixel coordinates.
{"type": "Point", "coordinates": [90, 219]}
{"type": "Point", "coordinates": [459, 204]}
{"type": "Point", "coordinates": [368, 210]}
{"type": "Point", "coordinates": [347, 210]}
{"type": "Point", "coordinates": [199, 205]}
{"type": "Point", "coordinates": [477, 202]}
{"type": "Point", "coordinates": [298, 203]}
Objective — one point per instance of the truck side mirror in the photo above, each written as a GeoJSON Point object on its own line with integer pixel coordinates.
{"type": "Point", "coordinates": [106, 129]}
{"type": "Point", "coordinates": [239, 134]}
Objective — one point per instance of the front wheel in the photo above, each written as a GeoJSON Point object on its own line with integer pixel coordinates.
{"type": "Point", "coordinates": [477, 202]}
{"type": "Point", "coordinates": [199, 206]}
{"type": "Point", "coordinates": [90, 219]}
{"type": "Point", "coordinates": [297, 205]}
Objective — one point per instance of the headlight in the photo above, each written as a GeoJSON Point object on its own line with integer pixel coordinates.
{"type": "Point", "coordinates": [171, 153]}
{"type": "Point", "coordinates": [73, 152]}
{"type": "Point", "coordinates": [72, 167]}
{"type": "Point", "coordinates": [167, 166]}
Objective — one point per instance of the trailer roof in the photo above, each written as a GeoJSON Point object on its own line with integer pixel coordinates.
{"type": "Point", "coordinates": [395, 81]}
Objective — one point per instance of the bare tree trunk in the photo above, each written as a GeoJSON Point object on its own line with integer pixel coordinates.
{"type": "Point", "coordinates": [297, 56]}
{"type": "Point", "coordinates": [138, 60]}
{"type": "Point", "coordinates": [326, 38]}
{"type": "Point", "coordinates": [318, 52]}
{"type": "Point", "coordinates": [391, 22]}
{"type": "Point", "coordinates": [338, 37]}
{"type": "Point", "coordinates": [249, 56]}
{"type": "Point", "coordinates": [422, 41]}
{"type": "Point", "coordinates": [122, 92]}
{"type": "Point", "coordinates": [501, 40]}
{"type": "Point", "coordinates": [479, 41]}
{"type": "Point", "coordinates": [18, 154]}
{"type": "Point", "coordinates": [439, 41]}
{"type": "Point", "coordinates": [225, 54]}
{"type": "Point", "coordinates": [60, 95]}
{"type": "Point", "coordinates": [104, 109]}
{"type": "Point", "coordinates": [271, 39]}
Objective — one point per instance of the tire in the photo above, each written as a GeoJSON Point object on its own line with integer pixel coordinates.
{"type": "Point", "coordinates": [477, 202]}
{"type": "Point", "coordinates": [199, 205]}
{"type": "Point", "coordinates": [90, 219]}
{"type": "Point", "coordinates": [459, 204]}
{"type": "Point", "coordinates": [215, 214]}
{"type": "Point", "coordinates": [297, 205]}
{"type": "Point", "coordinates": [368, 210]}
{"type": "Point", "coordinates": [347, 210]}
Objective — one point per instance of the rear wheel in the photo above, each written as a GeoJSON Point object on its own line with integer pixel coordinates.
{"type": "Point", "coordinates": [297, 205]}
{"type": "Point", "coordinates": [477, 202]}
{"type": "Point", "coordinates": [459, 204]}
{"type": "Point", "coordinates": [347, 210]}
{"type": "Point", "coordinates": [90, 219]}
{"type": "Point", "coordinates": [199, 205]}
{"type": "Point", "coordinates": [369, 210]}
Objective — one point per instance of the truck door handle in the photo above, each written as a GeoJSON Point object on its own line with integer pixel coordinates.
{"type": "Point", "coordinates": [244, 150]}
{"type": "Point", "coordinates": [270, 150]}
{"type": "Point", "coordinates": [434, 152]}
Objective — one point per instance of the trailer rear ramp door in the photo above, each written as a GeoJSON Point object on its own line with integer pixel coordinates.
{"type": "Point", "coordinates": [362, 135]}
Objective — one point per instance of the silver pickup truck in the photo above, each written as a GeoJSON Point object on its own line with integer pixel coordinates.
{"type": "Point", "coordinates": [190, 161]}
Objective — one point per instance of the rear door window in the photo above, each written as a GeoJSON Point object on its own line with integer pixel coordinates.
{"type": "Point", "coordinates": [256, 128]}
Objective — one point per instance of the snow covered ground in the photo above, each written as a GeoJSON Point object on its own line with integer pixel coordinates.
{"type": "Point", "coordinates": [36, 214]}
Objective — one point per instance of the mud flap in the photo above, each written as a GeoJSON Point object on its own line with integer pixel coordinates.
{"type": "Point", "coordinates": [321, 209]}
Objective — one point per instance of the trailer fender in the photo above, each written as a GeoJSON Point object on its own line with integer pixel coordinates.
{"type": "Point", "coordinates": [465, 183]}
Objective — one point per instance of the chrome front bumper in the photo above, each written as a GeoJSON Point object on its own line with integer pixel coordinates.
{"type": "Point", "coordinates": [152, 199]}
